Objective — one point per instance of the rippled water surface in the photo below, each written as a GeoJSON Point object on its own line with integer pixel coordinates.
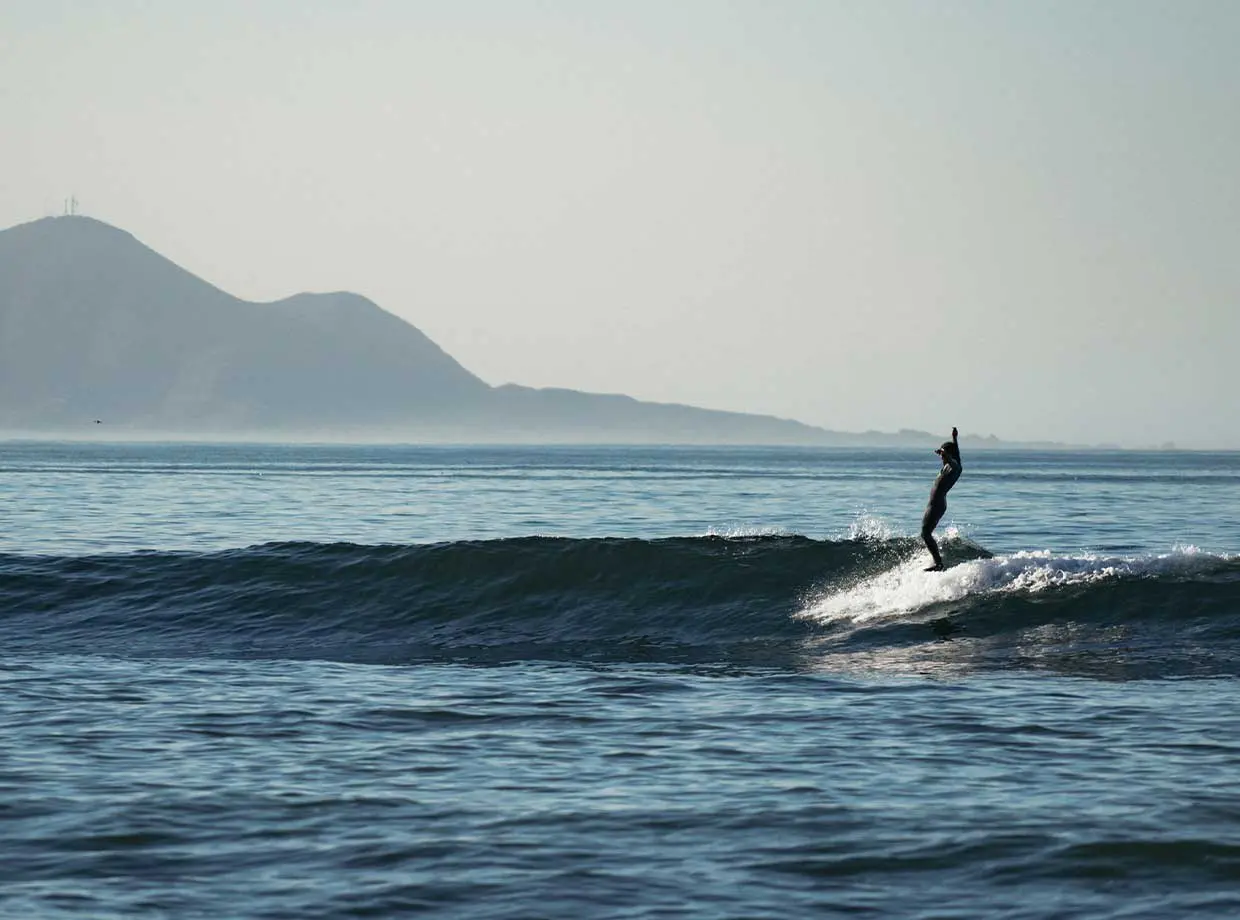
{"type": "Point", "coordinates": [92, 497]}
{"type": "Point", "coordinates": [209, 708]}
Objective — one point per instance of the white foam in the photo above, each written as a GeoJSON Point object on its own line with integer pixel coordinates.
{"type": "Point", "coordinates": [868, 527]}
{"type": "Point", "coordinates": [742, 532]}
{"type": "Point", "coordinates": [897, 591]}
{"type": "Point", "coordinates": [907, 588]}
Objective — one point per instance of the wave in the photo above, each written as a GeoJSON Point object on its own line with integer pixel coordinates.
{"type": "Point", "coordinates": [756, 600]}
{"type": "Point", "coordinates": [907, 587]}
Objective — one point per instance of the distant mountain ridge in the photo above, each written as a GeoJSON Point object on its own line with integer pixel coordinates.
{"type": "Point", "coordinates": [96, 325]}
{"type": "Point", "coordinates": [93, 323]}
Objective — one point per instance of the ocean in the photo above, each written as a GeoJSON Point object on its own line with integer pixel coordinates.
{"type": "Point", "coordinates": [278, 681]}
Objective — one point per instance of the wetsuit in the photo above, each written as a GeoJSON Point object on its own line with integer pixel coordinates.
{"type": "Point", "coordinates": [937, 505]}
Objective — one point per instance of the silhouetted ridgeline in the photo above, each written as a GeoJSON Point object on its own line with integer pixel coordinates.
{"type": "Point", "coordinates": [95, 325]}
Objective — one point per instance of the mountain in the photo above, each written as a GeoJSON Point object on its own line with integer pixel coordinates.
{"type": "Point", "coordinates": [95, 325]}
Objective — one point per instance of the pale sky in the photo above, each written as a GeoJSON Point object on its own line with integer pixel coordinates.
{"type": "Point", "coordinates": [1021, 218]}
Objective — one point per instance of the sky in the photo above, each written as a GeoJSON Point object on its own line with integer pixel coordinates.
{"type": "Point", "coordinates": [1020, 218]}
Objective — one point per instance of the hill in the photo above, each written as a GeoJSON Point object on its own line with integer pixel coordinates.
{"type": "Point", "coordinates": [94, 325]}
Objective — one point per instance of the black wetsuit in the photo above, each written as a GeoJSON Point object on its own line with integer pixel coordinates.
{"type": "Point", "coordinates": [937, 505]}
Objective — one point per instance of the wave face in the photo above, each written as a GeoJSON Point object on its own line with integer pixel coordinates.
{"type": "Point", "coordinates": [779, 601]}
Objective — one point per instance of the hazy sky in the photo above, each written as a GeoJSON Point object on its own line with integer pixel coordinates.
{"type": "Point", "coordinates": [1022, 218]}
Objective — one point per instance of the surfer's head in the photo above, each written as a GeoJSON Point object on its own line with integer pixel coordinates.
{"type": "Point", "coordinates": [948, 449]}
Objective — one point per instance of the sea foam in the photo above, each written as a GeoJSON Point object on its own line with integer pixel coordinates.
{"type": "Point", "coordinates": [907, 588]}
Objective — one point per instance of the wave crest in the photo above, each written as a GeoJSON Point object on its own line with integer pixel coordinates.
{"type": "Point", "coordinates": [768, 600]}
{"type": "Point", "coordinates": [907, 587]}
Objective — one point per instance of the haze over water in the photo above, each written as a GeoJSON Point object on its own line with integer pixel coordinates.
{"type": "Point", "coordinates": [860, 216]}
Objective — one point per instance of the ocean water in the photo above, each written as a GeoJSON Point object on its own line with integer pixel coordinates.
{"type": "Point", "coordinates": [332, 681]}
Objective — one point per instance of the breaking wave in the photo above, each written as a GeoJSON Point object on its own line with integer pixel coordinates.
{"type": "Point", "coordinates": [761, 600]}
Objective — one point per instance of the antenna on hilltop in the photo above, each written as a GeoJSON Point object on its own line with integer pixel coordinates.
{"type": "Point", "coordinates": [71, 206]}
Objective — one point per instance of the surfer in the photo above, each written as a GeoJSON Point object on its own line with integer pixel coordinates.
{"type": "Point", "coordinates": [949, 452]}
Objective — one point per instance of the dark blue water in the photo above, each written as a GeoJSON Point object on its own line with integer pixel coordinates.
{"type": "Point", "coordinates": [263, 681]}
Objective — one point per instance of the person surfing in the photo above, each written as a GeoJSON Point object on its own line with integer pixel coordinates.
{"type": "Point", "coordinates": [949, 453]}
